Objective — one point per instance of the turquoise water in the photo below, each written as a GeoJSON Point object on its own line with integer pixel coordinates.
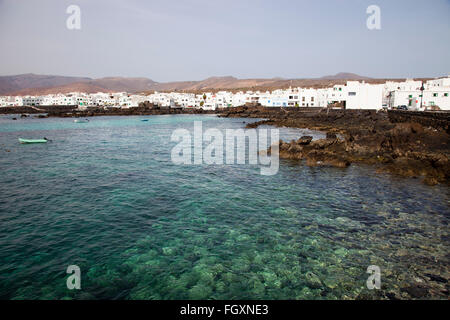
{"type": "Point", "coordinates": [105, 196]}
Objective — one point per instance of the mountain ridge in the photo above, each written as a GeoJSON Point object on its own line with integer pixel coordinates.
{"type": "Point", "coordinates": [30, 80]}
{"type": "Point", "coordinates": [33, 84]}
{"type": "Point", "coordinates": [345, 76]}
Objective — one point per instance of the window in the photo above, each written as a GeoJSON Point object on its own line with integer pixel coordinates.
{"type": "Point", "coordinates": [435, 94]}
{"type": "Point", "coordinates": [352, 93]}
{"type": "Point", "coordinates": [445, 94]}
{"type": "Point", "coordinates": [410, 96]}
{"type": "Point", "coordinates": [312, 98]}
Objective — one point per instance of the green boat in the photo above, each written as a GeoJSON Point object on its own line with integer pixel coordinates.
{"type": "Point", "coordinates": [32, 140]}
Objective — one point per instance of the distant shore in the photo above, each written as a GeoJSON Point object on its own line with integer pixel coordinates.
{"type": "Point", "coordinates": [74, 112]}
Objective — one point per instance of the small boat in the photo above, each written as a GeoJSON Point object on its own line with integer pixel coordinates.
{"type": "Point", "coordinates": [81, 120]}
{"type": "Point", "coordinates": [32, 140]}
{"type": "Point", "coordinates": [144, 120]}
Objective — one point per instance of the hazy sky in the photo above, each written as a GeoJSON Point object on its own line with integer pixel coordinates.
{"type": "Point", "coordinates": [169, 40]}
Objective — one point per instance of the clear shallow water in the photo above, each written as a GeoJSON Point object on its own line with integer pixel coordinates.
{"type": "Point", "coordinates": [106, 197]}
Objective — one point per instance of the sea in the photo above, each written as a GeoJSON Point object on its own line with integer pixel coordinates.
{"type": "Point", "coordinates": [106, 197]}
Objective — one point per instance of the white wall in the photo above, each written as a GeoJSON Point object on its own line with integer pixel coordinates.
{"type": "Point", "coordinates": [364, 96]}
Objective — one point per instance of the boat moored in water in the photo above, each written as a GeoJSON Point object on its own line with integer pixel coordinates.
{"type": "Point", "coordinates": [27, 141]}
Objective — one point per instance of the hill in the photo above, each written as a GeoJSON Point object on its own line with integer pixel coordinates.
{"type": "Point", "coordinates": [9, 84]}
{"type": "Point", "coordinates": [109, 84]}
{"type": "Point", "coordinates": [31, 84]}
{"type": "Point", "coordinates": [345, 76]}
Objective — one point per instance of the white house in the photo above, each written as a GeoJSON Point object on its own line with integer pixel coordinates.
{"type": "Point", "coordinates": [409, 93]}
{"type": "Point", "coordinates": [353, 95]}
{"type": "Point", "coordinates": [11, 101]}
{"type": "Point", "coordinates": [274, 100]}
{"type": "Point", "coordinates": [32, 101]}
{"type": "Point", "coordinates": [309, 98]}
{"type": "Point", "coordinates": [364, 95]}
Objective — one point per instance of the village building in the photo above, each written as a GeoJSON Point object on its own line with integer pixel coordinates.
{"type": "Point", "coordinates": [409, 94]}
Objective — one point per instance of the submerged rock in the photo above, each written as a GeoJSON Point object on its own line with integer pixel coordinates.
{"type": "Point", "coordinates": [313, 280]}
{"type": "Point", "coordinates": [168, 251]}
{"type": "Point", "coordinates": [416, 291]}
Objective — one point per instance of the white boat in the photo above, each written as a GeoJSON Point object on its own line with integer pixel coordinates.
{"type": "Point", "coordinates": [81, 120]}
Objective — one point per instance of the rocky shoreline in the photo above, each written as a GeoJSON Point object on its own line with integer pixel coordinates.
{"type": "Point", "coordinates": [74, 112]}
{"type": "Point", "coordinates": [407, 149]}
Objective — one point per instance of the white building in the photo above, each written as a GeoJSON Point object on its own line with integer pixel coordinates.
{"type": "Point", "coordinates": [31, 101]}
{"type": "Point", "coordinates": [274, 100]}
{"type": "Point", "coordinates": [364, 95]}
{"type": "Point", "coordinates": [11, 101]}
{"type": "Point", "coordinates": [309, 98]}
{"type": "Point", "coordinates": [417, 95]}
{"type": "Point", "coordinates": [353, 95]}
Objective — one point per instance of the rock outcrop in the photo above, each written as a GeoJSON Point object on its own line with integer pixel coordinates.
{"type": "Point", "coordinates": [408, 149]}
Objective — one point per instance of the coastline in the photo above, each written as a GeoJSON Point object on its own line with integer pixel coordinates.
{"type": "Point", "coordinates": [407, 144]}
{"type": "Point", "coordinates": [407, 149]}
{"type": "Point", "coordinates": [74, 112]}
